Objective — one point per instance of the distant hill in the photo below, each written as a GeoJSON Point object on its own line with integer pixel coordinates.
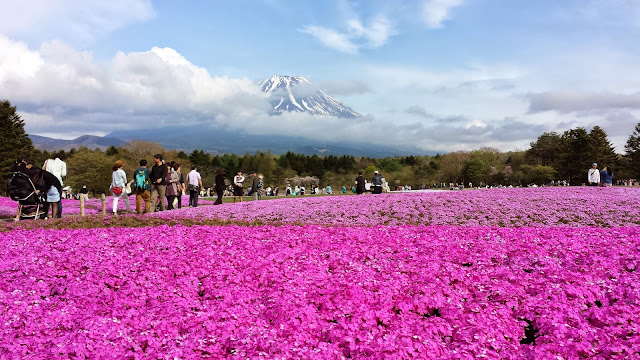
{"type": "Point", "coordinates": [90, 141]}
{"type": "Point", "coordinates": [220, 141]}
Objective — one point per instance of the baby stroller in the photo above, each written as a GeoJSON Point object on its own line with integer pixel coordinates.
{"type": "Point", "coordinates": [30, 204]}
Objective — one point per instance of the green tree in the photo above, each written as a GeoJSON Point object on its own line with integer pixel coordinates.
{"type": "Point", "coordinates": [546, 151]}
{"type": "Point", "coordinates": [393, 165]}
{"type": "Point", "coordinates": [574, 156]}
{"type": "Point", "coordinates": [600, 149]}
{"type": "Point", "coordinates": [91, 168]}
{"type": "Point", "coordinates": [476, 171]}
{"type": "Point", "coordinates": [632, 153]}
{"type": "Point", "coordinates": [112, 151]}
{"type": "Point", "coordinates": [14, 141]}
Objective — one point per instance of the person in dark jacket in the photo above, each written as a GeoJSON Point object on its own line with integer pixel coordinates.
{"type": "Point", "coordinates": [219, 187]}
{"type": "Point", "coordinates": [158, 178]}
{"type": "Point", "coordinates": [254, 185]}
{"type": "Point", "coordinates": [377, 182]}
{"type": "Point", "coordinates": [360, 183]}
{"type": "Point", "coordinates": [47, 183]}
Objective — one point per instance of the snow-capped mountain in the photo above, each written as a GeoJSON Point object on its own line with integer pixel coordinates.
{"type": "Point", "coordinates": [295, 93]}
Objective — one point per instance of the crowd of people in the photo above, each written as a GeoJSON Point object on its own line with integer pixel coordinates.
{"type": "Point", "coordinates": [161, 187]}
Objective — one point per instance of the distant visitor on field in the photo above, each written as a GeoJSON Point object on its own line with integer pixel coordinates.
{"type": "Point", "coordinates": [194, 181]}
{"type": "Point", "coordinates": [58, 168]}
{"type": "Point", "coordinates": [360, 184]}
{"type": "Point", "coordinates": [141, 186]}
{"type": "Point", "coordinates": [593, 176]}
{"type": "Point", "coordinates": [219, 187]}
{"type": "Point", "coordinates": [606, 177]}
{"type": "Point", "coordinates": [238, 190]}
{"type": "Point", "coordinates": [158, 178]}
{"type": "Point", "coordinates": [377, 182]}
{"type": "Point", "coordinates": [118, 183]}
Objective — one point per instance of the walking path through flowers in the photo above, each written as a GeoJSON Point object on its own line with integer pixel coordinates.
{"type": "Point", "coordinates": [499, 274]}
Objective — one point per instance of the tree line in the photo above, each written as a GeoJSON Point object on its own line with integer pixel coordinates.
{"type": "Point", "coordinates": [552, 156]}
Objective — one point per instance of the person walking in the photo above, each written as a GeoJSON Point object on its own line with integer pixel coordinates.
{"type": "Point", "coordinates": [194, 182]}
{"type": "Point", "coordinates": [593, 175]}
{"type": "Point", "coordinates": [360, 182]}
{"type": "Point", "coordinates": [158, 180]}
{"type": "Point", "coordinates": [237, 186]}
{"type": "Point", "coordinates": [181, 187]}
{"type": "Point", "coordinates": [254, 185]}
{"type": "Point", "coordinates": [606, 177]}
{"type": "Point", "coordinates": [173, 184]}
{"type": "Point", "coordinates": [219, 187]}
{"type": "Point", "coordinates": [58, 168]}
{"type": "Point", "coordinates": [141, 186]}
{"type": "Point", "coordinates": [118, 182]}
{"type": "Point", "coordinates": [377, 182]}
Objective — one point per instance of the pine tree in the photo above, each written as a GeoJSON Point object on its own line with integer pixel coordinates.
{"type": "Point", "coordinates": [600, 149]}
{"type": "Point", "coordinates": [632, 149]}
{"type": "Point", "coordinates": [14, 141]}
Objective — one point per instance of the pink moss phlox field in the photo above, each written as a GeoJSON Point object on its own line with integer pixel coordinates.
{"type": "Point", "coordinates": [559, 206]}
{"type": "Point", "coordinates": [385, 292]}
{"type": "Point", "coordinates": [93, 206]}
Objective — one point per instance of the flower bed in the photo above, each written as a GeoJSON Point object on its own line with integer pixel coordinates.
{"type": "Point", "coordinates": [568, 206]}
{"type": "Point", "coordinates": [320, 292]}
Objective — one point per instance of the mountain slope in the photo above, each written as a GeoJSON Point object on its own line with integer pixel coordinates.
{"type": "Point", "coordinates": [90, 141]}
{"type": "Point", "coordinates": [296, 93]}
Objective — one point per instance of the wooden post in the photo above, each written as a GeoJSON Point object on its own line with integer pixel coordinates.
{"type": "Point", "coordinates": [104, 206]}
{"type": "Point", "coordinates": [81, 204]}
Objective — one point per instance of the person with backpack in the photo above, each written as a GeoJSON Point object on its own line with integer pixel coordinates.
{"type": "Point", "coordinates": [140, 187]}
{"type": "Point", "coordinates": [47, 183]}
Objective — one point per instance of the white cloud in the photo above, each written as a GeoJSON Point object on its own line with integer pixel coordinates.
{"type": "Point", "coordinates": [332, 39]}
{"type": "Point", "coordinates": [74, 21]}
{"type": "Point", "coordinates": [435, 12]}
{"type": "Point", "coordinates": [355, 36]}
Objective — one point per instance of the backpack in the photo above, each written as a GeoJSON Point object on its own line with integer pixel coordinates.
{"type": "Point", "coordinates": [141, 181]}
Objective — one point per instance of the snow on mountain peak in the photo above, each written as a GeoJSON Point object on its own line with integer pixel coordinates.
{"type": "Point", "coordinates": [296, 93]}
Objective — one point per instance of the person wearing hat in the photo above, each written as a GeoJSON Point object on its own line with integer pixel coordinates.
{"type": "Point", "coordinates": [118, 183]}
{"type": "Point", "coordinates": [593, 176]}
{"type": "Point", "coordinates": [377, 182]}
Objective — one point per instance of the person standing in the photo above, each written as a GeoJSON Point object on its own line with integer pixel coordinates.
{"type": "Point", "coordinates": [377, 182]}
{"type": "Point", "coordinates": [181, 186]}
{"type": "Point", "coordinates": [260, 189]}
{"type": "Point", "coordinates": [219, 187]}
{"type": "Point", "coordinates": [84, 192]}
{"type": "Point", "coordinates": [158, 178]}
{"type": "Point", "coordinates": [237, 186]}
{"type": "Point", "coordinates": [606, 176]}
{"type": "Point", "coordinates": [194, 182]}
{"type": "Point", "coordinates": [254, 185]}
{"type": "Point", "coordinates": [45, 182]}
{"type": "Point", "coordinates": [58, 168]}
{"type": "Point", "coordinates": [593, 176]}
{"type": "Point", "coordinates": [118, 182]}
{"type": "Point", "coordinates": [173, 183]}
{"type": "Point", "coordinates": [141, 186]}
{"type": "Point", "coordinates": [360, 182]}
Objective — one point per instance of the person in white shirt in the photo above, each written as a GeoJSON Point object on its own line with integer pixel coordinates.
{"type": "Point", "coordinates": [238, 190]}
{"type": "Point", "coordinates": [593, 176]}
{"type": "Point", "coordinates": [58, 168]}
{"type": "Point", "coordinates": [194, 182]}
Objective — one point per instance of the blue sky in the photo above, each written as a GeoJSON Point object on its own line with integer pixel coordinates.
{"type": "Point", "coordinates": [440, 74]}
